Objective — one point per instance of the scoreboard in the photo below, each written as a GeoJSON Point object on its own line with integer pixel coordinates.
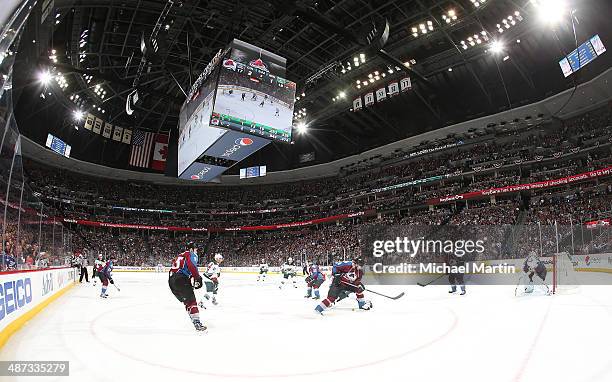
{"type": "Point", "coordinates": [253, 172]}
{"type": "Point", "coordinates": [587, 52]}
{"type": "Point", "coordinates": [59, 146]}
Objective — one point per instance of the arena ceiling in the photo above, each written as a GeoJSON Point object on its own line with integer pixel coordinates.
{"type": "Point", "coordinates": [98, 42]}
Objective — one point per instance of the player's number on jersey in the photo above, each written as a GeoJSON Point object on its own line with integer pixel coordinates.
{"type": "Point", "coordinates": [178, 263]}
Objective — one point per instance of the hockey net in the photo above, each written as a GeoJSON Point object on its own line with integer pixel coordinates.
{"type": "Point", "coordinates": [565, 278]}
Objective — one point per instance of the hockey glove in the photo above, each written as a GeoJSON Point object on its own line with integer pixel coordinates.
{"type": "Point", "coordinates": [111, 281]}
{"type": "Point", "coordinates": [197, 283]}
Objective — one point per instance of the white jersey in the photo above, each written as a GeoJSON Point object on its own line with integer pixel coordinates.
{"type": "Point", "coordinates": [287, 268]}
{"type": "Point", "coordinates": [263, 267]}
{"type": "Point", "coordinates": [99, 264]}
{"type": "Point", "coordinates": [213, 270]}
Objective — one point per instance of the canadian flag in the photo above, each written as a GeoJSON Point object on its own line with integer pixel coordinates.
{"type": "Point", "coordinates": [160, 152]}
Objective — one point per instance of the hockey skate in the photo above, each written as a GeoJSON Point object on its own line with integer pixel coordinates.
{"type": "Point", "coordinates": [199, 326]}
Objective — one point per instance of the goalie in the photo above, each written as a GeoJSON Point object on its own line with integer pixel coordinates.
{"type": "Point", "coordinates": [534, 270]}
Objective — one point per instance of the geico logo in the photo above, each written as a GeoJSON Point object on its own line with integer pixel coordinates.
{"type": "Point", "coordinates": [14, 295]}
{"type": "Point", "coordinates": [238, 143]}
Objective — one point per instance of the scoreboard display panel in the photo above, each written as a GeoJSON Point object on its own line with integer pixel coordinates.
{"type": "Point", "coordinates": [252, 95]}
{"type": "Point", "coordinates": [587, 52]}
{"type": "Point", "coordinates": [57, 145]}
{"type": "Point", "coordinates": [253, 172]}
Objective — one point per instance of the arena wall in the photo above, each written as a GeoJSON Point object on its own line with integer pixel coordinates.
{"type": "Point", "coordinates": [23, 294]}
{"type": "Point", "coordinates": [582, 263]}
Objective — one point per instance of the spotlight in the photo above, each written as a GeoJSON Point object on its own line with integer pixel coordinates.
{"type": "Point", "coordinates": [78, 115]}
{"type": "Point", "coordinates": [497, 46]}
{"type": "Point", "coordinates": [301, 128]}
{"type": "Point", "coordinates": [45, 77]}
{"type": "Point", "coordinates": [550, 11]}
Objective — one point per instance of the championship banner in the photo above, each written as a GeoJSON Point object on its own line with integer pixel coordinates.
{"type": "Point", "coordinates": [381, 94]}
{"type": "Point", "coordinates": [357, 104]}
{"type": "Point", "coordinates": [369, 99]}
{"type": "Point", "coordinates": [118, 133]}
{"type": "Point", "coordinates": [524, 187]}
{"type": "Point", "coordinates": [127, 136]}
{"type": "Point", "coordinates": [393, 89]}
{"type": "Point", "coordinates": [89, 121]}
{"type": "Point", "coordinates": [97, 127]}
{"type": "Point", "coordinates": [108, 130]}
{"type": "Point", "coordinates": [405, 84]}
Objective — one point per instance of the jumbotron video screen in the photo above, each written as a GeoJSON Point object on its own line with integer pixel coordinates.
{"type": "Point", "coordinates": [195, 132]}
{"type": "Point", "coordinates": [252, 95]}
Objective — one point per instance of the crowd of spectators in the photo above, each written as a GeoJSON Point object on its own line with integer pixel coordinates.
{"type": "Point", "coordinates": [493, 159]}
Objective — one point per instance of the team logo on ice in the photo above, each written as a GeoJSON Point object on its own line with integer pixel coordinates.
{"type": "Point", "coordinates": [238, 143]}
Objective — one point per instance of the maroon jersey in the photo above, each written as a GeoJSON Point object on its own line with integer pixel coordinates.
{"type": "Point", "coordinates": [349, 273]}
{"type": "Point", "coordinates": [185, 264]}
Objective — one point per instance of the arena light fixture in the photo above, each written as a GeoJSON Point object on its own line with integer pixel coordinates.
{"type": "Point", "coordinates": [45, 77]}
{"type": "Point", "coordinates": [477, 3]}
{"type": "Point", "coordinates": [301, 128]}
{"type": "Point", "coordinates": [449, 16]}
{"type": "Point", "coordinates": [78, 115]}
{"type": "Point", "coordinates": [550, 12]}
{"type": "Point", "coordinates": [497, 46]}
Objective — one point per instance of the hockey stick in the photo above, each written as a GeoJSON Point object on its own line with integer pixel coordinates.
{"type": "Point", "coordinates": [431, 282]}
{"type": "Point", "coordinates": [374, 292]}
{"type": "Point", "coordinates": [384, 295]}
{"type": "Point", "coordinates": [115, 285]}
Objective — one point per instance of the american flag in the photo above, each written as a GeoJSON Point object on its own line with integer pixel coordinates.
{"type": "Point", "coordinates": [142, 144]}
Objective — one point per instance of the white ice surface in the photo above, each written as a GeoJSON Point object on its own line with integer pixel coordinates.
{"type": "Point", "coordinates": [251, 111]}
{"type": "Point", "coordinates": [261, 333]}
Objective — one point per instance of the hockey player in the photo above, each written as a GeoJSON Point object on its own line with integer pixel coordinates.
{"type": "Point", "coordinates": [346, 279]}
{"type": "Point", "coordinates": [456, 278]}
{"type": "Point", "coordinates": [243, 95]}
{"type": "Point", "coordinates": [314, 279]}
{"type": "Point", "coordinates": [98, 264]}
{"type": "Point", "coordinates": [277, 112]}
{"type": "Point", "coordinates": [184, 268]}
{"type": "Point", "coordinates": [289, 272]}
{"type": "Point", "coordinates": [212, 274]}
{"type": "Point", "coordinates": [263, 271]}
{"type": "Point", "coordinates": [261, 104]}
{"type": "Point", "coordinates": [533, 266]}
{"type": "Point", "coordinates": [105, 274]}
{"type": "Point", "coordinates": [254, 97]}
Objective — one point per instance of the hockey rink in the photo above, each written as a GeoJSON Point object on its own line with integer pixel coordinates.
{"type": "Point", "coordinates": [232, 104]}
{"type": "Point", "coordinates": [261, 333]}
